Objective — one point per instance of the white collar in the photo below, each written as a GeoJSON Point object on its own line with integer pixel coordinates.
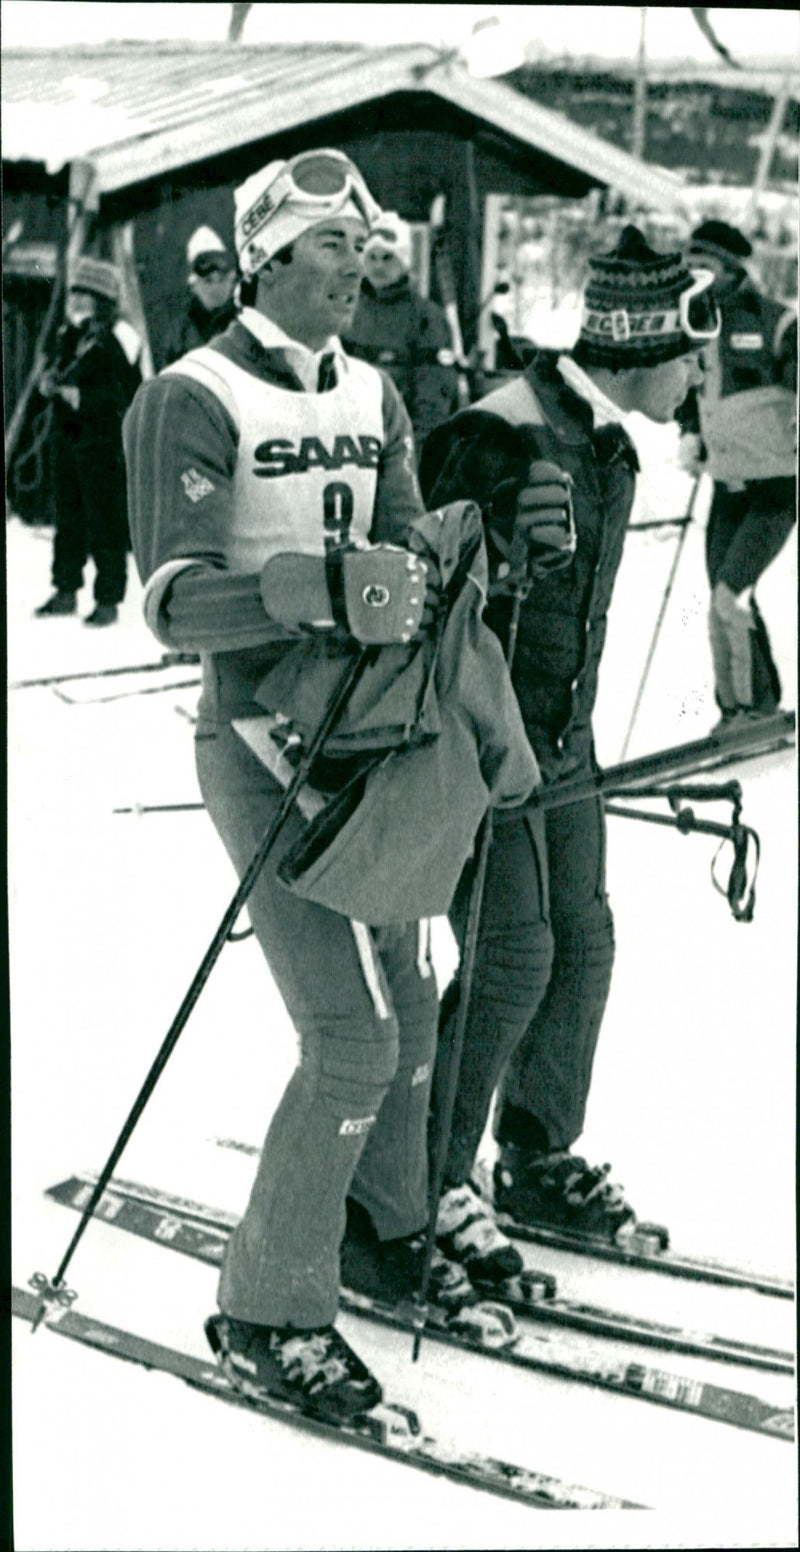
{"type": "Point", "coordinates": [604, 410]}
{"type": "Point", "coordinates": [305, 361]}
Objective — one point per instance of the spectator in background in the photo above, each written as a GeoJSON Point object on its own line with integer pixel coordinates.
{"type": "Point", "coordinates": [90, 384]}
{"type": "Point", "coordinates": [740, 429]}
{"type": "Point", "coordinates": [211, 282]}
{"type": "Point", "coordinates": [403, 332]}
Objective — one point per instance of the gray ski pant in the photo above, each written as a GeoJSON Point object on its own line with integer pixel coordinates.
{"type": "Point", "coordinates": [542, 976]}
{"type": "Point", "coordinates": [352, 1120]}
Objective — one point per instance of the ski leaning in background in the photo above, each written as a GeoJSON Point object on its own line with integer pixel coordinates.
{"type": "Point", "coordinates": [553, 471]}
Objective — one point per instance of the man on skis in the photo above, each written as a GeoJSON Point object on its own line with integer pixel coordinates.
{"type": "Point", "coordinates": [273, 486]}
{"type": "Point", "coordinates": [553, 470]}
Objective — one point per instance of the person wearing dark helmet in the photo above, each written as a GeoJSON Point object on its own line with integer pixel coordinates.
{"type": "Point", "coordinates": [546, 458]}
{"type": "Point", "coordinates": [740, 428]}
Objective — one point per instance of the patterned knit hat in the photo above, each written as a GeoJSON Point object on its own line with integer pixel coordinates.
{"type": "Point", "coordinates": [632, 314]}
{"type": "Point", "coordinates": [96, 276]}
{"type": "Point", "coordinates": [721, 241]}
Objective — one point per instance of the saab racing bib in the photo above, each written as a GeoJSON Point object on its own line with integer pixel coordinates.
{"type": "Point", "coordinates": [307, 464]}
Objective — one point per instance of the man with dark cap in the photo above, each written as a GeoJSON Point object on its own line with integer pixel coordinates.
{"type": "Point", "coordinates": [740, 429]}
{"type": "Point", "coordinates": [211, 281]}
{"type": "Point", "coordinates": [552, 468]}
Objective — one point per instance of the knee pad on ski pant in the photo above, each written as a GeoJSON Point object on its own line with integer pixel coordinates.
{"type": "Point", "coordinates": [282, 1262]}
{"type": "Point", "coordinates": [509, 982]}
{"type": "Point", "coordinates": [549, 1073]}
{"type": "Point", "coordinates": [350, 1065]}
{"type": "Point", "coordinates": [512, 967]}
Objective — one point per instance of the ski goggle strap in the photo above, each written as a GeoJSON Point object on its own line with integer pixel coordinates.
{"type": "Point", "coordinates": [698, 313]}
{"type": "Point", "coordinates": [311, 186]}
{"type": "Point", "coordinates": [696, 316]}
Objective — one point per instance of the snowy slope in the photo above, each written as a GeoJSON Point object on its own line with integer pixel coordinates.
{"type": "Point", "coordinates": [692, 1101]}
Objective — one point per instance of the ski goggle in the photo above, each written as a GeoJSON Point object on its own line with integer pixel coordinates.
{"type": "Point", "coordinates": [696, 316]}
{"type": "Point", "coordinates": [207, 267]}
{"type": "Point", "coordinates": [317, 184]}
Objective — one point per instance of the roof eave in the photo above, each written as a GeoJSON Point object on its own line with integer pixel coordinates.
{"type": "Point", "coordinates": [150, 155]}
{"type": "Point", "coordinates": [561, 138]}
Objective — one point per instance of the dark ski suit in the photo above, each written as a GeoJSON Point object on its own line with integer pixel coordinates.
{"type": "Point", "coordinates": [546, 942]}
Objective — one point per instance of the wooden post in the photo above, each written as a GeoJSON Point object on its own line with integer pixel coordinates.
{"type": "Point", "coordinates": [639, 131]}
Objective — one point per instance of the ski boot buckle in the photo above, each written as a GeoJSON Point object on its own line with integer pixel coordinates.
{"type": "Point", "coordinates": [649, 1239]}
{"type": "Point", "coordinates": [530, 1286]}
{"type": "Point", "coordinates": [388, 1423]}
{"type": "Point", "coordinates": [486, 1325]}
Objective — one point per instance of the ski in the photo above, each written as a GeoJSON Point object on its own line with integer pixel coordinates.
{"type": "Point", "coordinates": [775, 747]}
{"type": "Point", "coordinates": [647, 1247]}
{"type": "Point", "coordinates": [390, 1430]}
{"type": "Point", "coordinates": [758, 737]}
{"type": "Point", "coordinates": [644, 1247]}
{"type": "Point", "coordinates": [124, 695]}
{"type": "Point", "coordinates": [197, 1232]}
{"type": "Point", "coordinates": [168, 660]}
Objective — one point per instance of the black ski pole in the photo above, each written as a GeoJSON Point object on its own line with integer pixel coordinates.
{"type": "Point", "coordinates": [52, 1291]}
{"type": "Point", "coordinates": [661, 615]}
{"type": "Point", "coordinates": [469, 948]}
{"type": "Point", "coordinates": [159, 808]}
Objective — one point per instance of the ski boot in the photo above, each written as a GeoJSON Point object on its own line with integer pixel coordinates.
{"type": "Point", "coordinates": [60, 603]}
{"type": "Point", "coordinates": [466, 1232]}
{"type": "Point", "coordinates": [560, 1191]}
{"type": "Point", "coordinates": [316, 1371]}
{"type": "Point", "coordinates": [391, 1270]}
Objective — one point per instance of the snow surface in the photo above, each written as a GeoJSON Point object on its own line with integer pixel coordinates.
{"type": "Point", "coordinates": [692, 1100]}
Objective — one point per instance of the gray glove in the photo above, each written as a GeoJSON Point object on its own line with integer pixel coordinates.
{"type": "Point", "coordinates": [544, 538]}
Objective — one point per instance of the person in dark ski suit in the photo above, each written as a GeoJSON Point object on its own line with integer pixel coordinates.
{"type": "Point", "coordinates": [273, 491]}
{"type": "Point", "coordinates": [740, 428]}
{"type": "Point", "coordinates": [90, 384]}
{"type": "Point", "coordinates": [211, 281]}
{"type": "Point", "coordinates": [552, 468]}
{"type": "Point", "coordinates": [402, 332]}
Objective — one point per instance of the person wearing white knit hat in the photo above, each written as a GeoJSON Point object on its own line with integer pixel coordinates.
{"type": "Point", "coordinates": [272, 484]}
{"type": "Point", "coordinates": [403, 332]}
{"type": "Point", "coordinates": [211, 280]}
